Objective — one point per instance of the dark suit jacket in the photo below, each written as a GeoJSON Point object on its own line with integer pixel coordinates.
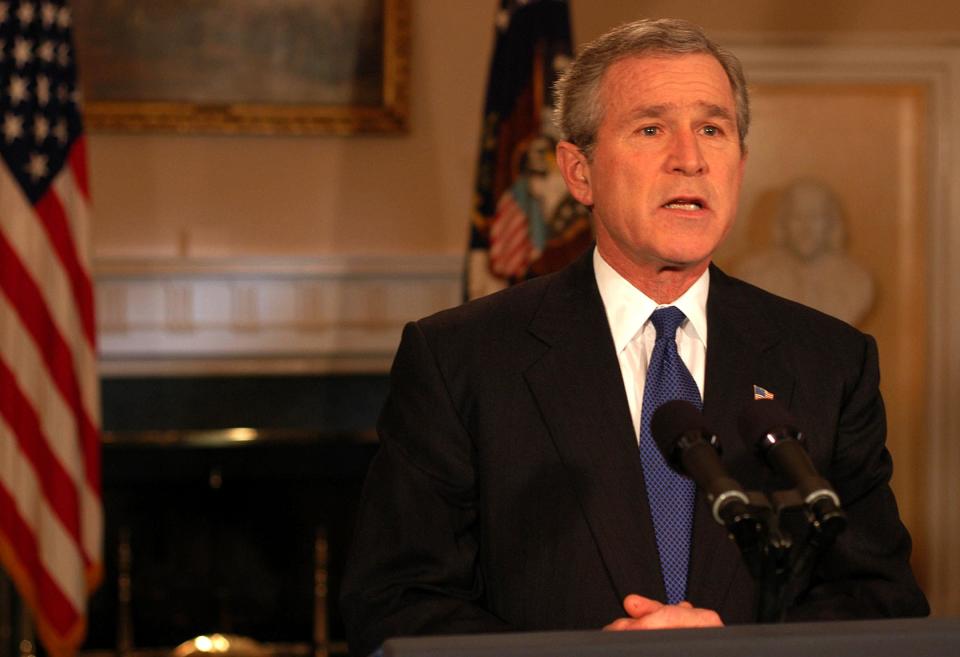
{"type": "Point", "coordinates": [508, 491]}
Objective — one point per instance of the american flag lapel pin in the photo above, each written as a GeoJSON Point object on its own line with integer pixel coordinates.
{"type": "Point", "coordinates": [761, 393]}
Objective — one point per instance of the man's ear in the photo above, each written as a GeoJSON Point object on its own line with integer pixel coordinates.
{"type": "Point", "coordinates": [575, 170]}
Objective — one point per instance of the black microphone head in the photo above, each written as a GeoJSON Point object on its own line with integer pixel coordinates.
{"type": "Point", "coordinates": [670, 422]}
{"type": "Point", "coordinates": [765, 417]}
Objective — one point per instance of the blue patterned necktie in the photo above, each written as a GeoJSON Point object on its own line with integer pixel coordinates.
{"type": "Point", "coordinates": [670, 495]}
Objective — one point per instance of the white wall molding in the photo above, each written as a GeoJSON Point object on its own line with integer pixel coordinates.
{"type": "Point", "coordinates": [264, 315]}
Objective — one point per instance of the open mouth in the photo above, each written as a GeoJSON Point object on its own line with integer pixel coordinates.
{"type": "Point", "coordinates": [684, 203]}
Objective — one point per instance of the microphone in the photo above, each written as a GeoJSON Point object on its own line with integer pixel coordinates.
{"type": "Point", "coordinates": [769, 427]}
{"type": "Point", "coordinates": [693, 450]}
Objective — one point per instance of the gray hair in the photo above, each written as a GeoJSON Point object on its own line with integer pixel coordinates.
{"type": "Point", "coordinates": [578, 108]}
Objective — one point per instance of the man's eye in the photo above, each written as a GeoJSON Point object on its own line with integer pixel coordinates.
{"type": "Point", "coordinates": [711, 130]}
{"type": "Point", "coordinates": [650, 131]}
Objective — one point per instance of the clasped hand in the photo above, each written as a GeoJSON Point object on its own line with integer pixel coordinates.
{"type": "Point", "coordinates": [646, 614]}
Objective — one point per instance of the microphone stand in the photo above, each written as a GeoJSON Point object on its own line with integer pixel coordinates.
{"type": "Point", "coordinates": [778, 559]}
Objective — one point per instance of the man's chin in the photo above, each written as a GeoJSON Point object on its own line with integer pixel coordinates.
{"type": "Point", "coordinates": [687, 263]}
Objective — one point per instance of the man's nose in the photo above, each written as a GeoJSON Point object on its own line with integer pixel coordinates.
{"type": "Point", "coordinates": [686, 156]}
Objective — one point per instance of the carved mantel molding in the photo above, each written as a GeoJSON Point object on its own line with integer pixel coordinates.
{"type": "Point", "coordinates": [264, 315]}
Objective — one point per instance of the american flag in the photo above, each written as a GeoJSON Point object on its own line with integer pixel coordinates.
{"type": "Point", "coordinates": [51, 516]}
{"type": "Point", "coordinates": [761, 393]}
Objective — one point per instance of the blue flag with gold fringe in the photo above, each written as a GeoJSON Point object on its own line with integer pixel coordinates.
{"type": "Point", "coordinates": [524, 221]}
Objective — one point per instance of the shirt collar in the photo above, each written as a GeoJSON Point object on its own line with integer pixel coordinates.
{"type": "Point", "coordinates": [628, 309]}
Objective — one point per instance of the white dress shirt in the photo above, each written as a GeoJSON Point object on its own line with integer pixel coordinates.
{"type": "Point", "coordinates": [628, 312]}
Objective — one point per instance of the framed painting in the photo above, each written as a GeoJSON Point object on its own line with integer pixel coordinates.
{"type": "Point", "coordinates": [244, 66]}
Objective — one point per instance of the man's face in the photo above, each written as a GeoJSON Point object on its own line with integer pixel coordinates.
{"type": "Point", "coordinates": [667, 165]}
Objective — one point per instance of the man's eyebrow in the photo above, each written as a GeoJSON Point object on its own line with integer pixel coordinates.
{"type": "Point", "coordinates": [651, 111]}
{"type": "Point", "coordinates": [712, 110]}
{"type": "Point", "coordinates": [717, 111]}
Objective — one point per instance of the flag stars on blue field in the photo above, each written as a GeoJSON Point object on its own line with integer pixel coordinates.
{"type": "Point", "coordinates": [12, 127]}
{"type": "Point", "coordinates": [26, 13]}
{"type": "Point", "coordinates": [18, 89]}
{"type": "Point", "coordinates": [37, 166]}
{"type": "Point", "coordinates": [49, 12]}
{"type": "Point", "coordinates": [22, 51]}
{"type": "Point", "coordinates": [46, 51]}
{"type": "Point", "coordinates": [39, 114]}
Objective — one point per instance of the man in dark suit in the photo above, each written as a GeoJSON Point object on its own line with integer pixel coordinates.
{"type": "Point", "coordinates": [509, 492]}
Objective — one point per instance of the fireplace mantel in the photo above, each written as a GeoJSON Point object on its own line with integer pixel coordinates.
{"type": "Point", "coordinates": [277, 315]}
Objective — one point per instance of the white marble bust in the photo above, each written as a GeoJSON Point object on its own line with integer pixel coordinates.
{"type": "Point", "coordinates": [807, 262]}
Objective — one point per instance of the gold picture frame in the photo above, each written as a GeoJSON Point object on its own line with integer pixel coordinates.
{"type": "Point", "coordinates": [305, 67]}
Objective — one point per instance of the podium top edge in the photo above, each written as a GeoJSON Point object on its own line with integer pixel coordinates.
{"type": "Point", "coordinates": [918, 637]}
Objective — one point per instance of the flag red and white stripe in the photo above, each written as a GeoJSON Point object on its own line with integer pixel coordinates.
{"type": "Point", "coordinates": [510, 245]}
{"type": "Point", "coordinates": [51, 514]}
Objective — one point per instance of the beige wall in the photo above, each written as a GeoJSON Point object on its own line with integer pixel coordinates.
{"type": "Point", "coordinates": [784, 17]}
{"type": "Point", "coordinates": [165, 195]}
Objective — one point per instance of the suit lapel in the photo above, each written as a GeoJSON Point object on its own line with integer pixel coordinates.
{"type": "Point", "coordinates": [741, 352]}
{"type": "Point", "coordinates": [579, 388]}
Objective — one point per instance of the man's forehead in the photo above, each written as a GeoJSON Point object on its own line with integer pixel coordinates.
{"type": "Point", "coordinates": [672, 75]}
{"type": "Point", "coordinates": [648, 63]}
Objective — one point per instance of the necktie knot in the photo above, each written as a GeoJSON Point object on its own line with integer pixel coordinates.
{"type": "Point", "coordinates": [666, 321]}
